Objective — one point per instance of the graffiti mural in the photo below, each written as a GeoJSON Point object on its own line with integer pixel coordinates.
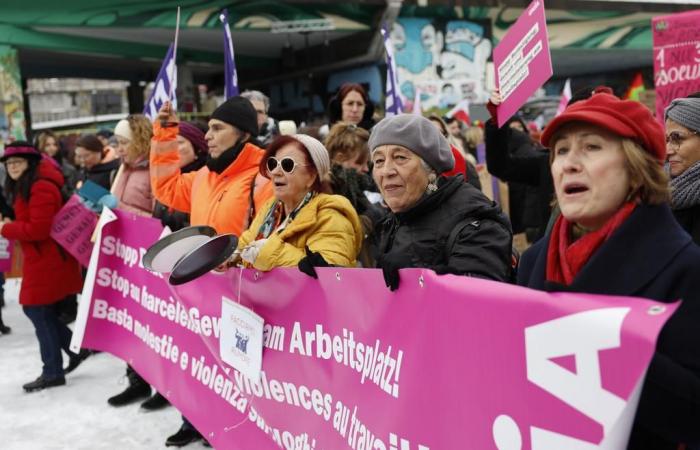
{"type": "Point", "coordinates": [445, 60]}
{"type": "Point", "coordinates": [12, 123]}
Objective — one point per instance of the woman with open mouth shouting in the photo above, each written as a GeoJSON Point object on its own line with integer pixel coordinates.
{"type": "Point", "coordinates": [617, 236]}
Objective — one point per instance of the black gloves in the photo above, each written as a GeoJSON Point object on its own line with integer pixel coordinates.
{"type": "Point", "coordinates": [390, 269]}
{"type": "Point", "coordinates": [311, 260]}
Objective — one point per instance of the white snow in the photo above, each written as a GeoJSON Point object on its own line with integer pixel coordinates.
{"type": "Point", "coordinates": [75, 416]}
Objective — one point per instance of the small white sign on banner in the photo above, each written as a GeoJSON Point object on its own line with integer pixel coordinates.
{"type": "Point", "coordinates": [241, 338]}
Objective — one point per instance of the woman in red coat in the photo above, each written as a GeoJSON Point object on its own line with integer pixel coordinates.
{"type": "Point", "coordinates": [49, 273]}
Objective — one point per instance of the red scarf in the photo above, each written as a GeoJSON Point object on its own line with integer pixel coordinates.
{"type": "Point", "coordinates": [565, 259]}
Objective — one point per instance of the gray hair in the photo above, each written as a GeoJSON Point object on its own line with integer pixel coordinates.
{"type": "Point", "coordinates": [258, 97]}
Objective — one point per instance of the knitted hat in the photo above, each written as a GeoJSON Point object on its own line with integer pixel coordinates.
{"type": "Point", "coordinates": [417, 134]}
{"type": "Point", "coordinates": [685, 111]}
{"type": "Point", "coordinates": [625, 118]}
{"type": "Point", "coordinates": [20, 148]}
{"type": "Point", "coordinates": [319, 154]}
{"type": "Point", "coordinates": [194, 135]}
{"type": "Point", "coordinates": [90, 142]}
{"type": "Point", "coordinates": [239, 112]}
{"type": "Point", "coordinates": [123, 129]}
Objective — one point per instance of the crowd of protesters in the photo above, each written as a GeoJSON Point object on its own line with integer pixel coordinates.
{"type": "Point", "coordinates": [609, 199]}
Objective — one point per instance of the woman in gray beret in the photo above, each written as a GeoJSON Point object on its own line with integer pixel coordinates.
{"type": "Point", "coordinates": [435, 222]}
{"type": "Point", "coordinates": [683, 159]}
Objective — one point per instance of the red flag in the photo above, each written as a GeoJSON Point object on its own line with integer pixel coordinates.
{"type": "Point", "coordinates": [635, 88]}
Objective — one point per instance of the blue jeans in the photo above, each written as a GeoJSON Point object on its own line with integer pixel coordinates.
{"type": "Point", "coordinates": [52, 335]}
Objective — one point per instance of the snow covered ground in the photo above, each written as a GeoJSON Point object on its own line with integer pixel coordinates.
{"type": "Point", "coordinates": [75, 416]}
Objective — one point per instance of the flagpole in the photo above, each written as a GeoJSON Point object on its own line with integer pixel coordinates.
{"type": "Point", "coordinates": [177, 34]}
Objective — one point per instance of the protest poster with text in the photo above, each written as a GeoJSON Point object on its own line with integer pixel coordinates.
{"type": "Point", "coordinates": [522, 60]}
{"type": "Point", "coordinates": [445, 362]}
{"type": "Point", "coordinates": [676, 57]}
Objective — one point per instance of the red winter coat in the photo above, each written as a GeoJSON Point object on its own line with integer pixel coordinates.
{"type": "Point", "coordinates": [49, 272]}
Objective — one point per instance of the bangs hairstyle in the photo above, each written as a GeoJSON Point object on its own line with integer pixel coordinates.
{"type": "Point", "coordinates": [347, 142]}
{"type": "Point", "coordinates": [648, 181]}
{"type": "Point", "coordinates": [347, 88]}
{"type": "Point", "coordinates": [142, 132]}
{"type": "Point", "coordinates": [282, 141]}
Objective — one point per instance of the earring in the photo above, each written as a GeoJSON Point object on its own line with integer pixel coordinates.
{"type": "Point", "coordinates": [432, 185]}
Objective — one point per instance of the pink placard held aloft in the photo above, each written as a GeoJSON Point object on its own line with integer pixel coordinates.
{"type": "Point", "coordinates": [6, 246]}
{"type": "Point", "coordinates": [522, 60]}
{"type": "Point", "coordinates": [73, 227]}
{"type": "Point", "coordinates": [676, 57]}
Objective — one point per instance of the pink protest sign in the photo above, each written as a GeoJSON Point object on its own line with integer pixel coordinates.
{"type": "Point", "coordinates": [5, 254]}
{"type": "Point", "coordinates": [73, 227]}
{"type": "Point", "coordinates": [676, 57]}
{"type": "Point", "coordinates": [445, 362]}
{"type": "Point", "coordinates": [522, 60]}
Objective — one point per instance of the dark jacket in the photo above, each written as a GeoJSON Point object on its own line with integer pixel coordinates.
{"type": "Point", "coordinates": [689, 218]}
{"type": "Point", "coordinates": [103, 174]}
{"type": "Point", "coordinates": [648, 256]}
{"type": "Point", "coordinates": [453, 230]}
{"type": "Point", "coordinates": [514, 158]}
{"type": "Point", "coordinates": [49, 273]}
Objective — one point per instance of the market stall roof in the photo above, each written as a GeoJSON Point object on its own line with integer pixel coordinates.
{"type": "Point", "coordinates": [135, 34]}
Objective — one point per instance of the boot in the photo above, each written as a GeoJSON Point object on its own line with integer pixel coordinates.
{"type": "Point", "coordinates": [184, 436]}
{"type": "Point", "coordinates": [76, 360]}
{"type": "Point", "coordinates": [43, 383]}
{"type": "Point", "coordinates": [155, 403]}
{"type": "Point", "coordinates": [3, 329]}
{"type": "Point", "coordinates": [138, 389]}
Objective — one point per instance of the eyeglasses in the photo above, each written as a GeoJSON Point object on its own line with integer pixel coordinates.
{"type": "Point", "coordinates": [288, 164]}
{"type": "Point", "coordinates": [15, 162]}
{"type": "Point", "coordinates": [676, 138]}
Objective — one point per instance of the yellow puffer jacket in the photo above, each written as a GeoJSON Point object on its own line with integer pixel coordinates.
{"type": "Point", "coordinates": [328, 224]}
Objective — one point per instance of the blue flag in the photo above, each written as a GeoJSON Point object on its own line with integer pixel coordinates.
{"type": "Point", "coordinates": [393, 103]}
{"type": "Point", "coordinates": [161, 90]}
{"type": "Point", "coordinates": [230, 74]}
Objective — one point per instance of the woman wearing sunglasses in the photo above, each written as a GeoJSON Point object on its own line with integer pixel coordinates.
{"type": "Point", "coordinates": [683, 159]}
{"type": "Point", "coordinates": [303, 219]}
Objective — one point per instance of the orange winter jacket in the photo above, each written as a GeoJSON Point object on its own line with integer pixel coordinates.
{"type": "Point", "coordinates": [221, 201]}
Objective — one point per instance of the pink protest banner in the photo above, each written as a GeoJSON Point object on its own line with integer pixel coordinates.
{"type": "Point", "coordinates": [676, 57]}
{"type": "Point", "coordinates": [6, 247]}
{"type": "Point", "coordinates": [445, 362]}
{"type": "Point", "coordinates": [522, 60]}
{"type": "Point", "coordinates": [73, 227]}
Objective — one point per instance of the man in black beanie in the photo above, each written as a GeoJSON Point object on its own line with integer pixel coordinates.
{"type": "Point", "coordinates": [226, 192]}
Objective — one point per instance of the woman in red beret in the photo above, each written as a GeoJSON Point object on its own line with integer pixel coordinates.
{"type": "Point", "coordinates": [617, 235]}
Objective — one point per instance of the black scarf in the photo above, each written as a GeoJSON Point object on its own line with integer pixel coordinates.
{"type": "Point", "coordinates": [225, 159]}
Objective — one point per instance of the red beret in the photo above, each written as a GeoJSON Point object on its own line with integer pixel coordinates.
{"type": "Point", "coordinates": [626, 118]}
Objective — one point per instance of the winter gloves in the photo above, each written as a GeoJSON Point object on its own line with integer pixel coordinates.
{"type": "Point", "coordinates": [311, 260]}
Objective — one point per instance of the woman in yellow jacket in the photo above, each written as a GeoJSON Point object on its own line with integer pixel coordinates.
{"type": "Point", "coordinates": [302, 222]}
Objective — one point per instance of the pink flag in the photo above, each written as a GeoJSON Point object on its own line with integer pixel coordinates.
{"type": "Point", "coordinates": [565, 97]}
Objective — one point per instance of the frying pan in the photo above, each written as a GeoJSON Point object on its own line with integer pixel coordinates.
{"type": "Point", "coordinates": [162, 256]}
{"type": "Point", "coordinates": [207, 256]}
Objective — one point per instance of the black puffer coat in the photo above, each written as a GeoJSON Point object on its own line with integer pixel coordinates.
{"type": "Point", "coordinates": [689, 218]}
{"type": "Point", "coordinates": [457, 230]}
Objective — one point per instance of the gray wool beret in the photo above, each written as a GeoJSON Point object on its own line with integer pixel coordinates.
{"type": "Point", "coordinates": [417, 134]}
{"type": "Point", "coordinates": [685, 111]}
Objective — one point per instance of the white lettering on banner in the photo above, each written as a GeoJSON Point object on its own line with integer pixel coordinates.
{"type": "Point", "coordinates": [113, 246]}
{"type": "Point", "coordinates": [107, 277]}
{"type": "Point", "coordinates": [121, 317]}
{"type": "Point", "coordinates": [564, 337]}
{"type": "Point", "coordinates": [380, 367]}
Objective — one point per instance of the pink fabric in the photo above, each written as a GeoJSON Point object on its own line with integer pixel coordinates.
{"type": "Point", "coordinates": [132, 188]}
{"type": "Point", "coordinates": [443, 361]}
{"type": "Point", "coordinates": [73, 227]}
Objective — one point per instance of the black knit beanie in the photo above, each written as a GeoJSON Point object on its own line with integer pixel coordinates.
{"type": "Point", "coordinates": [240, 113]}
